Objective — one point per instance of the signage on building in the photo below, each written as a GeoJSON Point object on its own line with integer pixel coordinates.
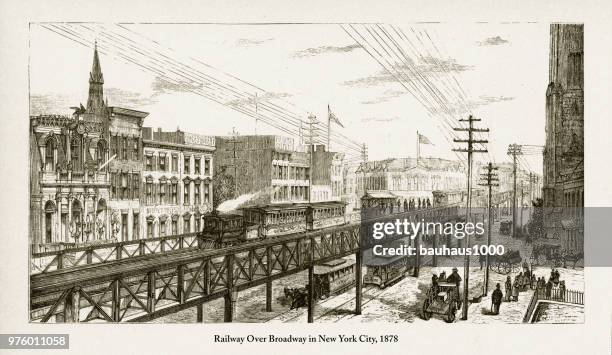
{"type": "Point", "coordinates": [197, 139]}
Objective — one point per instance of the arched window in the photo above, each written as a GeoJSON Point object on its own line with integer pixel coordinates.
{"type": "Point", "coordinates": [101, 152]}
{"type": "Point", "coordinates": [49, 154]}
{"type": "Point", "coordinates": [49, 212]}
{"type": "Point", "coordinates": [75, 152]}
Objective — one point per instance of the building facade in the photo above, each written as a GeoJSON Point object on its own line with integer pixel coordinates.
{"type": "Point", "coordinates": [404, 177]}
{"type": "Point", "coordinates": [563, 180]}
{"type": "Point", "coordinates": [272, 169]}
{"type": "Point", "coordinates": [93, 178]}
{"type": "Point", "coordinates": [177, 181]}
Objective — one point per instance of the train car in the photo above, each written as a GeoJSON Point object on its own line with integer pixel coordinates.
{"type": "Point", "coordinates": [278, 219]}
{"type": "Point", "coordinates": [226, 229]}
{"type": "Point", "coordinates": [383, 271]}
{"type": "Point", "coordinates": [325, 214]}
{"type": "Point", "coordinates": [442, 198]}
{"type": "Point", "coordinates": [334, 277]}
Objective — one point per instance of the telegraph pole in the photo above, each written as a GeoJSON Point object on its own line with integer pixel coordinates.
{"type": "Point", "coordinates": [364, 157]}
{"type": "Point", "coordinates": [312, 122]}
{"type": "Point", "coordinates": [514, 150]}
{"type": "Point", "coordinates": [469, 150]}
{"type": "Point", "coordinates": [488, 179]}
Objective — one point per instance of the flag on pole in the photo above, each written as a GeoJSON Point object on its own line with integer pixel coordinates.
{"type": "Point", "coordinates": [424, 140]}
{"type": "Point", "coordinates": [333, 118]}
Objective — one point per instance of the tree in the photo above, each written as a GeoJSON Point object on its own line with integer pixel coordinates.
{"type": "Point", "coordinates": [224, 187]}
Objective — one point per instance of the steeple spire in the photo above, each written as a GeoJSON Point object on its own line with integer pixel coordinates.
{"type": "Point", "coordinates": [95, 101]}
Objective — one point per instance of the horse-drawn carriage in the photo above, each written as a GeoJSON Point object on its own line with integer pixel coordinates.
{"type": "Point", "coordinates": [443, 299]}
{"type": "Point", "coordinates": [330, 278]}
{"type": "Point", "coordinates": [549, 252]}
{"type": "Point", "coordinates": [507, 262]}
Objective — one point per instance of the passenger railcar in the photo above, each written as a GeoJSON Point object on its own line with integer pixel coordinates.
{"type": "Point", "coordinates": [275, 220]}
{"type": "Point", "coordinates": [325, 214]}
{"type": "Point", "coordinates": [383, 271]}
{"type": "Point", "coordinates": [334, 277]}
{"type": "Point", "coordinates": [442, 198]}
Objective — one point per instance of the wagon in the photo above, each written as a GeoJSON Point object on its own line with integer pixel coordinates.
{"type": "Point", "coordinates": [442, 299]}
{"type": "Point", "coordinates": [506, 263]}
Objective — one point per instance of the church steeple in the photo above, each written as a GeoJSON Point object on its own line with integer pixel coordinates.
{"type": "Point", "coordinates": [95, 101]}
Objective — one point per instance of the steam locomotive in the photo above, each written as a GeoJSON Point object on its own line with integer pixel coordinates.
{"type": "Point", "coordinates": [260, 222]}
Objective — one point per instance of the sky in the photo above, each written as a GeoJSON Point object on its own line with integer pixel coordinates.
{"type": "Point", "coordinates": [501, 69]}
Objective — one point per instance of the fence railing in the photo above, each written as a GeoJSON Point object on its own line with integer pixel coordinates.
{"type": "Point", "coordinates": [70, 256]}
{"type": "Point", "coordinates": [553, 295]}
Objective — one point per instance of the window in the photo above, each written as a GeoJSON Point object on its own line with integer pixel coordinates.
{"type": "Point", "coordinates": [162, 192]}
{"type": "Point", "coordinates": [149, 229]}
{"type": "Point", "coordinates": [206, 193]}
{"type": "Point", "coordinates": [124, 151]}
{"type": "Point", "coordinates": [186, 192]}
{"type": "Point", "coordinates": [49, 149]}
{"type": "Point", "coordinates": [174, 163]}
{"type": "Point", "coordinates": [74, 154]}
{"type": "Point", "coordinates": [100, 150]}
{"type": "Point", "coordinates": [186, 224]}
{"type": "Point", "coordinates": [113, 145]}
{"type": "Point", "coordinates": [206, 166]}
{"type": "Point", "coordinates": [124, 186]}
{"type": "Point", "coordinates": [112, 183]}
{"type": "Point", "coordinates": [174, 226]}
{"type": "Point", "coordinates": [135, 185]}
{"type": "Point", "coordinates": [135, 155]}
{"type": "Point", "coordinates": [162, 162]}
{"type": "Point", "coordinates": [124, 227]}
{"type": "Point", "coordinates": [196, 164]}
{"type": "Point", "coordinates": [162, 228]}
{"type": "Point", "coordinates": [149, 193]}
{"type": "Point", "coordinates": [196, 193]}
{"type": "Point", "coordinates": [135, 226]}
{"type": "Point", "coordinates": [175, 193]}
{"type": "Point", "coordinates": [186, 167]}
{"type": "Point", "coordinates": [149, 162]}
{"type": "Point", "coordinates": [196, 224]}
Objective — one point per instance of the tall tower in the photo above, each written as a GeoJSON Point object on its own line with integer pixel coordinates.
{"type": "Point", "coordinates": [95, 101]}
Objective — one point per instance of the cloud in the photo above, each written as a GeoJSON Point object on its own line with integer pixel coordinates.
{"type": "Point", "coordinates": [413, 70]}
{"type": "Point", "coordinates": [266, 96]}
{"type": "Point", "coordinates": [386, 96]}
{"type": "Point", "coordinates": [311, 52]}
{"type": "Point", "coordinates": [482, 100]}
{"type": "Point", "coordinates": [50, 104]}
{"type": "Point", "coordinates": [486, 100]}
{"type": "Point", "coordinates": [248, 42]}
{"type": "Point", "coordinates": [163, 86]}
{"type": "Point", "coordinates": [380, 119]}
{"type": "Point", "coordinates": [493, 41]}
{"type": "Point", "coordinates": [125, 98]}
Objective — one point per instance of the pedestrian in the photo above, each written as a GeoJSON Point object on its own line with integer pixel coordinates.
{"type": "Point", "coordinates": [532, 281]}
{"type": "Point", "coordinates": [562, 290]}
{"type": "Point", "coordinates": [454, 277]}
{"type": "Point", "coordinates": [508, 288]}
{"type": "Point", "coordinates": [515, 291]}
{"type": "Point", "coordinates": [548, 288]}
{"type": "Point", "coordinates": [496, 299]}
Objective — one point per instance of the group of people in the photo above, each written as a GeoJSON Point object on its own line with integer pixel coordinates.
{"type": "Point", "coordinates": [452, 278]}
{"type": "Point", "coordinates": [553, 288]}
